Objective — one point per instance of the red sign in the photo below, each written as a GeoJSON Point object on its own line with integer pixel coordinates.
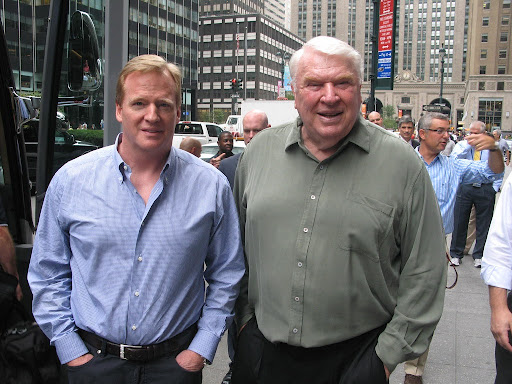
{"type": "Point", "coordinates": [386, 25]}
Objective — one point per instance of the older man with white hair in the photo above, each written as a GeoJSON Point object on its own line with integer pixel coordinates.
{"type": "Point", "coordinates": [345, 266]}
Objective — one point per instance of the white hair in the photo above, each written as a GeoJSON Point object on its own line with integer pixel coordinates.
{"type": "Point", "coordinates": [329, 46]}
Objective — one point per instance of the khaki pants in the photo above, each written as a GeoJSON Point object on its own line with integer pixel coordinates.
{"type": "Point", "coordinates": [416, 367]}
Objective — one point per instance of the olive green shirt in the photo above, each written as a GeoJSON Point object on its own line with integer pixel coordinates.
{"type": "Point", "coordinates": [337, 248]}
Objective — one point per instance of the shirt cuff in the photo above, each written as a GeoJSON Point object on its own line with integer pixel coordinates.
{"type": "Point", "coordinates": [205, 344]}
{"type": "Point", "coordinates": [70, 347]}
{"type": "Point", "coordinates": [496, 276]}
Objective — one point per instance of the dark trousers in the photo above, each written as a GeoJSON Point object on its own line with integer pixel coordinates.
{"type": "Point", "coordinates": [258, 361]}
{"type": "Point", "coordinates": [108, 369]}
{"type": "Point", "coordinates": [483, 200]}
{"type": "Point", "coordinates": [232, 341]}
{"type": "Point", "coordinates": [503, 365]}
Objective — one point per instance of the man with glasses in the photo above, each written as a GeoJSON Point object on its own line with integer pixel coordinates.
{"type": "Point", "coordinates": [481, 195]}
{"type": "Point", "coordinates": [447, 173]}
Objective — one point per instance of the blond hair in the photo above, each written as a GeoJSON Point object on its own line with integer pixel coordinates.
{"type": "Point", "coordinates": [147, 64]}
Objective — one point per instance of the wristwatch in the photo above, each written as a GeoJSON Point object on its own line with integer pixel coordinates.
{"type": "Point", "coordinates": [496, 147]}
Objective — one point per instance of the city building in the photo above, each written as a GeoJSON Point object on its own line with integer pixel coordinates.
{"type": "Point", "coordinates": [168, 28]}
{"type": "Point", "coordinates": [489, 85]}
{"type": "Point", "coordinates": [249, 47]}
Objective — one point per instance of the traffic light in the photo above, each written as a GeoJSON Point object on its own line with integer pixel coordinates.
{"type": "Point", "coordinates": [240, 83]}
{"type": "Point", "coordinates": [233, 84]}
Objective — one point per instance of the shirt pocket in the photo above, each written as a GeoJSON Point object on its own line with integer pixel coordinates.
{"type": "Point", "coordinates": [364, 226]}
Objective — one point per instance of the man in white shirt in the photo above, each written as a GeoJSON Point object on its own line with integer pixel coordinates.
{"type": "Point", "coordinates": [497, 274]}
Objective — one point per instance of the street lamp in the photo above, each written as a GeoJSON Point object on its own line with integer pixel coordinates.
{"type": "Point", "coordinates": [442, 53]}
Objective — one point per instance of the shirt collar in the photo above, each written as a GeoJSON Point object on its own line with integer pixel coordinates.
{"type": "Point", "coordinates": [124, 168]}
{"type": "Point", "coordinates": [437, 158]}
{"type": "Point", "coordinates": [359, 135]}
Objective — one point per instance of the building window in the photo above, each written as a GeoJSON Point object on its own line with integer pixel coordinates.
{"type": "Point", "coordinates": [483, 53]}
{"type": "Point", "coordinates": [487, 4]}
{"type": "Point", "coordinates": [481, 85]}
{"type": "Point", "coordinates": [406, 100]}
{"type": "Point", "coordinates": [505, 19]}
{"type": "Point", "coordinates": [502, 54]}
{"type": "Point", "coordinates": [461, 100]}
{"type": "Point", "coordinates": [506, 3]}
{"type": "Point", "coordinates": [485, 37]}
{"type": "Point", "coordinates": [489, 111]}
{"type": "Point", "coordinates": [482, 69]}
{"type": "Point", "coordinates": [500, 86]}
{"type": "Point", "coordinates": [504, 37]}
{"type": "Point", "coordinates": [485, 21]}
{"type": "Point", "coordinates": [501, 69]}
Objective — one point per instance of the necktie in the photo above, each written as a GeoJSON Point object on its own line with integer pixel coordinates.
{"type": "Point", "coordinates": [476, 155]}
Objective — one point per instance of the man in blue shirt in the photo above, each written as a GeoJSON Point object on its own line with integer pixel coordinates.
{"type": "Point", "coordinates": [479, 195]}
{"type": "Point", "coordinates": [447, 173]}
{"type": "Point", "coordinates": [125, 243]}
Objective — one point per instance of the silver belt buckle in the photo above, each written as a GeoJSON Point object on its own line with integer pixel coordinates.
{"type": "Point", "coordinates": [123, 346]}
{"type": "Point", "coordinates": [121, 351]}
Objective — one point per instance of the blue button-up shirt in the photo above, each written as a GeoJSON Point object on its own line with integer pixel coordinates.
{"type": "Point", "coordinates": [130, 272]}
{"type": "Point", "coordinates": [447, 173]}
{"type": "Point", "coordinates": [463, 150]}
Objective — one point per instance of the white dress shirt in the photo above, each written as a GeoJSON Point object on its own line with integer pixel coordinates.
{"type": "Point", "coordinates": [497, 259]}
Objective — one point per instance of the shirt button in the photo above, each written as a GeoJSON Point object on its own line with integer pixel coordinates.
{"type": "Point", "coordinates": [125, 168]}
{"type": "Point", "coordinates": [321, 167]}
{"type": "Point", "coordinates": [313, 197]}
{"type": "Point", "coordinates": [299, 264]}
{"type": "Point", "coordinates": [137, 293]}
{"type": "Point", "coordinates": [306, 230]}
{"type": "Point", "coordinates": [297, 298]}
{"type": "Point", "coordinates": [295, 330]}
{"type": "Point", "coordinates": [139, 258]}
{"type": "Point", "coordinates": [134, 327]}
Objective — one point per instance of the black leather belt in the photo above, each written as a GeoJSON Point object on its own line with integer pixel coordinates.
{"type": "Point", "coordinates": [140, 352]}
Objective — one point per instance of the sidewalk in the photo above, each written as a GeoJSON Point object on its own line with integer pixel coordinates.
{"type": "Point", "coordinates": [462, 350]}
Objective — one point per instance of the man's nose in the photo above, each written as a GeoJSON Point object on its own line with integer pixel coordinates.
{"type": "Point", "coordinates": [152, 113]}
{"type": "Point", "coordinates": [330, 94]}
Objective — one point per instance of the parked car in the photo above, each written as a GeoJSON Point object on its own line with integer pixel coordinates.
{"type": "Point", "coordinates": [209, 150]}
{"type": "Point", "coordinates": [66, 147]}
{"type": "Point", "coordinates": [202, 131]}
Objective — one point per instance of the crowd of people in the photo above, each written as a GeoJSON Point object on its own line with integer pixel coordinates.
{"type": "Point", "coordinates": [325, 240]}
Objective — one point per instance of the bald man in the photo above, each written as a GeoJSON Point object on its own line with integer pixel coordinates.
{"type": "Point", "coordinates": [191, 145]}
{"type": "Point", "coordinates": [375, 118]}
{"type": "Point", "coordinates": [253, 122]}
